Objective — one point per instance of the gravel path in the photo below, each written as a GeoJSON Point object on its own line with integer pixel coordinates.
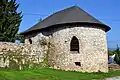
{"type": "Point", "coordinates": [113, 78]}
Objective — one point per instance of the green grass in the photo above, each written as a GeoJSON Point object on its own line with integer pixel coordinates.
{"type": "Point", "coordinates": [51, 74]}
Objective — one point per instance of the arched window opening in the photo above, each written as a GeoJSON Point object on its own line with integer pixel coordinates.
{"type": "Point", "coordinates": [30, 41]}
{"type": "Point", "coordinates": [74, 45]}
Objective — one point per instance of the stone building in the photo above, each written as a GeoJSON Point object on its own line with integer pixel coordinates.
{"type": "Point", "coordinates": [72, 39]}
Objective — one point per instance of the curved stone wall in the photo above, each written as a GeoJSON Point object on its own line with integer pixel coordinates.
{"type": "Point", "coordinates": [92, 56]}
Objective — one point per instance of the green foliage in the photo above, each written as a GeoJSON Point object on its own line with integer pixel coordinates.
{"type": "Point", "coordinates": [21, 38]}
{"type": "Point", "coordinates": [51, 74]}
{"type": "Point", "coordinates": [9, 20]}
{"type": "Point", "coordinates": [45, 61]}
{"type": "Point", "coordinates": [117, 56]}
{"type": "Point", "coordinates": [111, 52]}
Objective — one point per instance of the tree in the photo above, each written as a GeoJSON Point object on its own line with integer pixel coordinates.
{"type": "Point", "coordinates": [10, 20]}
{"type": "Point", "coordinates": [20, 38]}
{"type": "Point", "coordinates": [111, 52]}
{"type": "Point", "coordinates": [117, 56]}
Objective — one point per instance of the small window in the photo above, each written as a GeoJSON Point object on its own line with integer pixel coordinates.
{"type": "Point", "coordinates": [74, 45]}
{"type": "Point", "coordinates": [30, 41]}
{"type": "Point", "coordinates": [77, 63]}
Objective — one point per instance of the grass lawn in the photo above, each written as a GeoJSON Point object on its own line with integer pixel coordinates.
{"type": "Point", "coordinates": [51, 74]}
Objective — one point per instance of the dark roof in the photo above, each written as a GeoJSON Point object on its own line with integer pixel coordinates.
{"type": "Point", "coordinates": [70, 15]}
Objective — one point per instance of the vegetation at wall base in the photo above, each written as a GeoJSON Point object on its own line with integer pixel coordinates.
{"type": "Point", "coordinates": [51, 74]}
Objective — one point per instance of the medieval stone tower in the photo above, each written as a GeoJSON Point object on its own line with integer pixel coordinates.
{"type": "Point", "coordinates": [77, 40]}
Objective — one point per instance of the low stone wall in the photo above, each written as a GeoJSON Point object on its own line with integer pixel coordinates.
{"type": "Point", "coordinates": [20, 56]}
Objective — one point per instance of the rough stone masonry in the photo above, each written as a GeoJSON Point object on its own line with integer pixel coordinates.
{"type": "Point", "coordinates": [91, 57]}
{"type": "Point", "coordinates": [70, 39]}
{"type": "Point", "coordinates": [92, 54]}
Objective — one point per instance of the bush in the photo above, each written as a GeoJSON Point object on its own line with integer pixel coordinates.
{"type": "Point", "coordinates": [117, 56]}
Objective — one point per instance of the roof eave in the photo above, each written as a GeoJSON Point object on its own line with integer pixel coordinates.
{"type": "Point", "coordinates": [107, 28]}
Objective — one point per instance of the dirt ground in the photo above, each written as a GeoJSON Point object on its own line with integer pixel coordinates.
{"type": "Point", "coordinates": [114, 67]}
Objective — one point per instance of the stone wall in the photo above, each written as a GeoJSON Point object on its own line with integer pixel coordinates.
{"type": "Point", "coordinates": [52, 47]}
{"type": "Point", "coordinates": [92, 54]}
{"type": "Point", "coordinates": [13, 55]}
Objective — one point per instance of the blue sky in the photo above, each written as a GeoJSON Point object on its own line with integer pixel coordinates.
{"type": "Point", "coordinates": [107, 11]}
